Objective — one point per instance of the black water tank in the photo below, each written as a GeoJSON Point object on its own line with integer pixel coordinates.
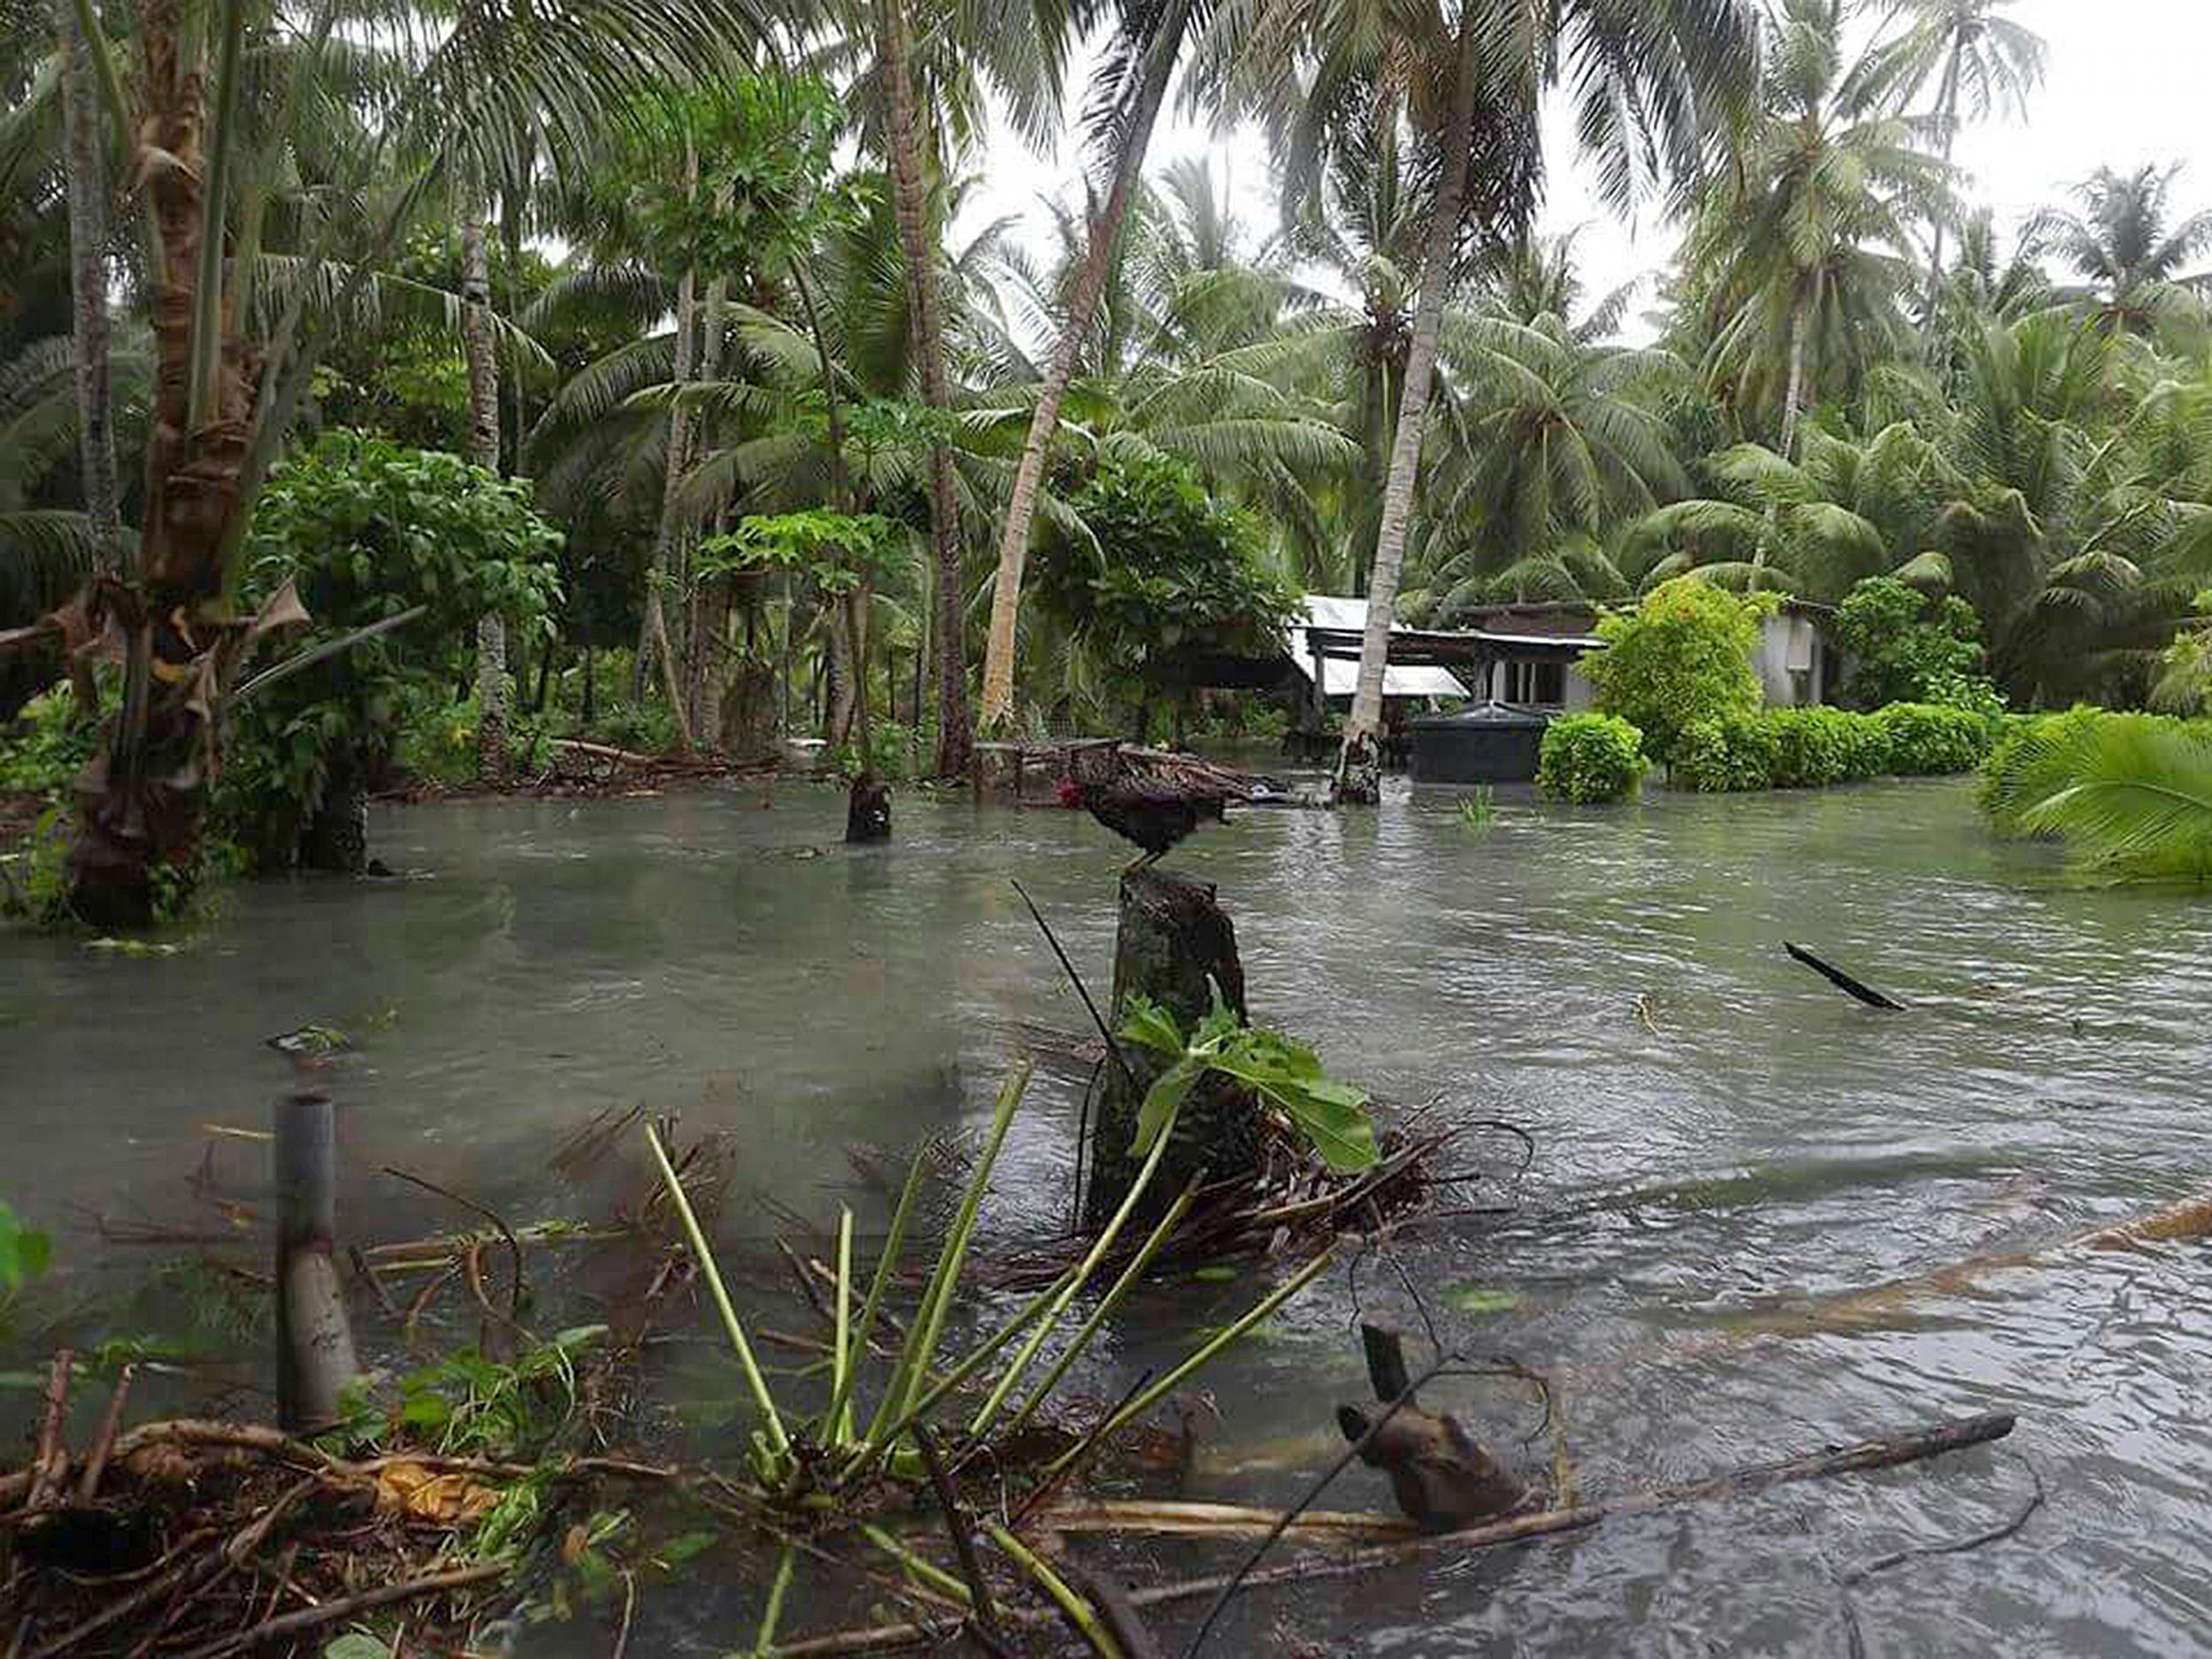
{"type": "Point", "coordinates": [1491, 742]}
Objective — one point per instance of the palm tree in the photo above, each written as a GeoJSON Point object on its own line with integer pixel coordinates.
{"type": "Point", "coordinates": [1980, 60]}
{"type": "Point", "coordinates": [2131, 255]}
{"type": "Point", "coordinates": [1649, 81]}
{"type": "Point", "coordinates": [1802, 251]}
{"type": "Point", "coordinates": [1153, 48]}
{"type": "Point", "coordinates": [88, 192]}
{"type": "Point", "coordinates": [918, 239]}
{"type": "Point", "coordinates": [481, 350]}
{"type": "Point", "coordinates": [1844, 511]}
{"type": "Point", "coordinates": [208, 160]}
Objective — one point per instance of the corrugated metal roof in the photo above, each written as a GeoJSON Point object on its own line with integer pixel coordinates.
{"type": "Point", "coordinates": [1339, 676]}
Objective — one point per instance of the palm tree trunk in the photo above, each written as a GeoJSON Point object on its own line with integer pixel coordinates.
{"type": "Point", "coordinates": [1948, 107]}
{"type": "Point", "coordinates": [925, 295]}
{"type": "Point", "coordinates": [707, 608]}
{"type": "Point", "coordinates": [142, 798]}
{"type": "Point", "coordinates": [653, 645]}
{"type": "Point", "coordinates": [1793, 394]}
{"type": "Point", "coordinates": [1105, 231]}
{"type": "Point", "coordinates": [481, 351]}
{"type": "Point", "coordinates": [89, 289]}
{"type": "Point", "coordinates": [1359, 763]}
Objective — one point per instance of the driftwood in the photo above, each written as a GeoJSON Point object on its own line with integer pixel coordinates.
{"type": "Point", "coordinates": [1896, 1452]}
{"type": "Point", "coordinates": [1843, 981]}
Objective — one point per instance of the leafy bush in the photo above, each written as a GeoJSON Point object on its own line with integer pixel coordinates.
{"type": "Point", "coordinates": [49, 744]}
{"type": "Point", "coordinates": [1733, 754]}
{"type": "Point", "coordinates": [1681, 657]}
{"type": "Point", "coordinates": [1907, 646]}
{"type": "Point", "coordinates": [368, 530]}
{"type": "Point", "coordinates": [1814, 747]}
{"type": "Point", "coordinates": [1591, 757]}
{"type": "Point", "coordinates": [1928, 739]}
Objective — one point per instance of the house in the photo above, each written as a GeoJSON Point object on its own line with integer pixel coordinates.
{"type": "Point", "coordinates": [1529, 668]}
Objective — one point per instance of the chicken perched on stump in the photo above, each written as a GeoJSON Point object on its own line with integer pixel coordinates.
{"type": "Point", "coordinates": [1146, 797]}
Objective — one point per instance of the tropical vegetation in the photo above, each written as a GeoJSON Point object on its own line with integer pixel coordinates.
{"type": "Point", "coordinates": [617, 250]}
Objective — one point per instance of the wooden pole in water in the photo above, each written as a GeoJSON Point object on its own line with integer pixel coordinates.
{"type": "Point", "coordinates": [314, 1345]}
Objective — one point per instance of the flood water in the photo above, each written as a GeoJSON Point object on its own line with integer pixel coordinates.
{"type": "Point", "coordinates": [1728, 1151]}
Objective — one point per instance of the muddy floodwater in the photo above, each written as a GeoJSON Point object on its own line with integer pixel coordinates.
{"type": "Point", "coordinates": [1729, 1154]}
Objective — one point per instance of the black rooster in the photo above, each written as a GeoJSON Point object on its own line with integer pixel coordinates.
{"type": "Point", "coordinates": [1153, 799]}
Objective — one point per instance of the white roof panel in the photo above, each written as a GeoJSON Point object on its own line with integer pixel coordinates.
{"type": "Point", "coordinates": [1339, 676]}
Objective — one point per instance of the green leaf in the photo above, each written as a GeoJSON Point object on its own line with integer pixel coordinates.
{"type": "Point", "coordinates": [1163, 1100]}
{"type": "Point", "coordinates": [1482, 1299]}
{"type": "Point", "coordinates": [1216, 1273]}
{"type": "Point", "coordinates": [356, 1645]}
{"type": "Point", "coordinates": [1150, 1026]}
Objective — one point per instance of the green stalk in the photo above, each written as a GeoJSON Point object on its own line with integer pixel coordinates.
{"type": "Point", "coordinates": [877, 1444]}
{"type": "Point", "coordinates": [1080, 1613]}
{"type": "Point", "coordinates": [771, 1615]}
{"type": "Point", "coordinates": [704, 1256]}
{"type": "Point", "coordinates": [1152, 1395]}
{"type": "Point", "coordinates": [207, 315]}
{"type": "Point", "coordinates": [929, 1319]}
{"type": "Point", "coordinates": [928, 1572]}
{"type": "Point", "coordinates": [885, 1266]}
{"type": "Point", "coordinates": [1130, 1275]}
{"type": "Point", "coordinates": [841, 1387]}
{"type": "Point", "coordinates": [1089, 1266]}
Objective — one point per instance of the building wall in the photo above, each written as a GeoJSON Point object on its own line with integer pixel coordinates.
{"type": "Point", "coordinates": [1790, 661]}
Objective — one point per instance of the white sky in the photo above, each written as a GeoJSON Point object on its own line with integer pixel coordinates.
{"type": "Point", "coordinates": [2126, 84]}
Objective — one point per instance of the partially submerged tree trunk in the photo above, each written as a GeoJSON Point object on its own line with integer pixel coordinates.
{"type": "Point", "coordinates": [89, 289]}
{"type": "Point", "coordinates": [917, 242]}
{"type": "Point", "coordinates": [1177, 947]}
{"type": "Point", "coordinates": [315, 1356]}
{"type": "Point", "coordinates": [1098, 258]}
{"type": "Point", "coordinates": [142, 799]}
{"type": "Point", "coordinates": [1359, 772]}
{"type": "Point", "coordinates": [493, 763]}
{"type": "Point", "coordinates": [336, 838]}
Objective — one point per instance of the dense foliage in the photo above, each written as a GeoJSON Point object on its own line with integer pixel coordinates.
{"type": "Point", "coordinates": [1682, 657]}
{"type": "Point", "coordinates": [1905, 645]}
{"type": "Point", "coordinates": [1587, 758]}
{"type": "Point", "coordinates": [2130, 794]}
{"type": "Point", "coordinates": [368, 531]}
{"type": "Point", "coordinates": [1796, 749]}
{"type": "Point", "coordinates": [1162, 576]}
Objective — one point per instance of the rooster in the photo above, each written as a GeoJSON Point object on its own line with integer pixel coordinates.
{"type": "Point", "coordinates": [1152, 799]}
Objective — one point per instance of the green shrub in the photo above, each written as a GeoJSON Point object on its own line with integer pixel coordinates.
{"type": "Point", "coordinates": [1814, 747]}
{"type": "Point", "coordinates": [1591, 757]}
{"type": "Point", "coordinates": [48, 745]}
{"type": "Point", "coordinates": [1928, 739]}
{"type": "Point", "coordinates": [1908, 646]}
{"type": "Point", "coordinates": [1729, 756]}
{"type": "Point", "coordinates": [1681, 657]}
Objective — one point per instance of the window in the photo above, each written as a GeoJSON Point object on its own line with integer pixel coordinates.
{"type": "Point", "coordinates": [1537, 685]}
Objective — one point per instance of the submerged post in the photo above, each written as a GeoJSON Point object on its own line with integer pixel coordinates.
{"type": "Point", "coordinates": [314, 1345]}
{"type": "Point", "coordinates": [1176, 945]}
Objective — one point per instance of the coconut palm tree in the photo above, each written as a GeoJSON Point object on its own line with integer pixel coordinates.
{"type": "Point", "coordinates": [1649, 82]}
{"type": "Point", "coordinates": [1139, 75]}
{"type": "Point", "coordinates": [210, 135]}
{"type": "Point", "coordinates": [1801, 253]}
{"type": "Point", "coordinates": [2131, 255]}
{"type": "Point", "coordinates": [1980, 60]}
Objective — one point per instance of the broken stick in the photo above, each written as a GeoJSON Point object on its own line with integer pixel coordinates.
{"type": "Point", "coordinates": [1843, 981]}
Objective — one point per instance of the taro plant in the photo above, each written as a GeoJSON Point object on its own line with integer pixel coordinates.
{"type": "Point", "coordinates": [1331, 1116]}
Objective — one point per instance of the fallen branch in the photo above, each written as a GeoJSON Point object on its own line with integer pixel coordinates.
{"type": "Point", "coordinates": [349, 1607]}
{"type": "Point", "coordinates": [1862, 1458]}
{"type": "Point", "coordinates": [1843, 981]}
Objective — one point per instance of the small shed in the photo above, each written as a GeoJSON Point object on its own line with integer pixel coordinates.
{"type": "Point", "coordinates": [1491, 742]}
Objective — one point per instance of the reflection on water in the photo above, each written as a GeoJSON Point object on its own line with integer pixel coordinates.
{"type": "Point", "coordinates": [1746, 1148]}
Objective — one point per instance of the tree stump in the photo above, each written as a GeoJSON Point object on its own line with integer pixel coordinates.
{"type": "Point", "coordinates": [1177, 946]}
{"type": "Point", "coordinates": [1358, 781]}
{"type": "Point", "coordinates": [868, 811]}
{"type": "Point", "coordinates": [337, 838]}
